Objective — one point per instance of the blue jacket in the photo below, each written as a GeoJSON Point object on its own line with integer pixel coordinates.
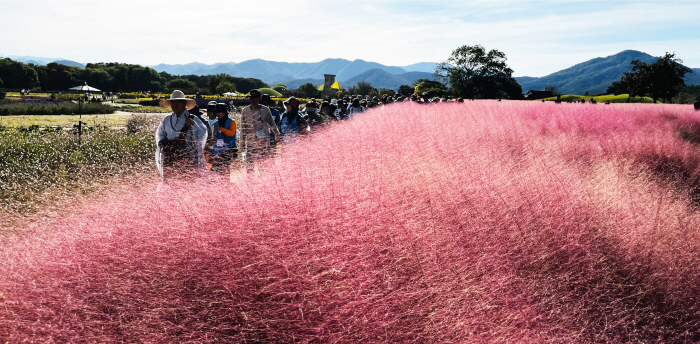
{"type": "Point", "coordinates": [223, 142]}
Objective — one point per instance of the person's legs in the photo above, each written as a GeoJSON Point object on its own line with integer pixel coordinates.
{"type": "Point", "coordinates": [176, 160]}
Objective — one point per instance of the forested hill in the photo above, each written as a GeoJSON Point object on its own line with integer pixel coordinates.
{"type": "Point", "coordinates": [594, 76]}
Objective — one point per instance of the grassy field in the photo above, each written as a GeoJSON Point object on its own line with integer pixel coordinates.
{"type": "Point", "coordinates": [622, 98]}
{"type": "Point", "coordinates": [39, 166]}
{"type": "Point", "coordinates": [67, 121]}
{"type": "Point", "coordinates": [479, 222]}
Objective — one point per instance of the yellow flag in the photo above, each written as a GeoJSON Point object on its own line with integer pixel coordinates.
{"type": "Point", "coordinates": [336, 85]}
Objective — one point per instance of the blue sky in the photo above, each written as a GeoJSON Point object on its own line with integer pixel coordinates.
{"type": "Point", "coordinates": [538, 37]}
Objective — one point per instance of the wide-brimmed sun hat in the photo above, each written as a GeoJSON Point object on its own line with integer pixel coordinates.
{"type": "Point", "coordinates": [178, 95]}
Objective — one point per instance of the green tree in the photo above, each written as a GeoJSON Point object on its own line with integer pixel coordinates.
{"type": "Point", "coordinates": [201, 81]}
{"type": "Point", "coordinates": [472, 72]}
{"type": "Point", "coordinates": [18, 75]}
{"type": "Point", "coordinates": [617, 87]}
{"type": "Point", "coordinates": [419, 81]}
{"type": "Point", "coordinates": [551, 89]}
{"type": "Point", "coordinates": [129, 77]}
{"type": "Point", "coordinates": [433, 88]}
{"type": "Point", "coordinates": [661, 80]}
{"type": "Point", "coordinates": [58, 77]}
{"type": "Point", "coordinates": [406, 90]}
{"type": "Point", "coordinates": [308, 90]}
{"type": "Point", "coordinates": [215, 80]}
{"type": "Point", "coordinates": [363, 88]}
{"type": "Point", "coordinates": [666, 77]}
{"type": "Point", "coordinates": [386, 92]}
{"type": "Point", "coordinates": [245, 85]}
{"type": "Point", "coordinates": [181, 84]}
{"type": "Point", "coordinates": [98, 78]}
{"type": "Point", "coordinates": [225, 86]}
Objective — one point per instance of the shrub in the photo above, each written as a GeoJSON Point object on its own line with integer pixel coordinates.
{"type": "Point", "coordinates": [36, 163]}
{"type": "Point", "coordinates": [141, 123]}
{"type": "Point", "coordinates": [128, 96]}
{"type": "Point", "coordinates": [51, 108]}
{"type": "Point", "coordinates": [69, 96]}
{"type": "Point", "coordinates": [152, 102]}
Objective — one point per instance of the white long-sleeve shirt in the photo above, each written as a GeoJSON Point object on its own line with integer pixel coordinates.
{"type": "Point", "coordinates": [195, 138]}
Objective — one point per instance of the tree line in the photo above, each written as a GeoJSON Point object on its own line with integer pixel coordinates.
{"type": "Point", "coordinates": [115, 77]}
{"type": "Point", "coordinates": [469, 72]}
{"type": "Point", "coordinates": [661, 80]}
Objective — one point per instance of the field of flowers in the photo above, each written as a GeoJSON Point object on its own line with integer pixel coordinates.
{"type": "Point", "coordinates": [46, 107]}
{"type": "Point", "coordinates": [41, 166]}
{"type": "Point", "coordinates": [475, 222]}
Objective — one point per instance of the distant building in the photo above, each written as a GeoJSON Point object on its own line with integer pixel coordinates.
{"type": "Point", "coordinates": [328, 88]}
{"type": "Point", "coordinates": [534, 95]}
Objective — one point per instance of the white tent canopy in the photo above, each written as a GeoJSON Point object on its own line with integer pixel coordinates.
{"type": "Point", "coordinates": [84, 88]}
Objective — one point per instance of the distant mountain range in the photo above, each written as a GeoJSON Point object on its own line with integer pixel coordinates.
{"type": "Point", "coordinates": [294, 74]}
{"type": "Point", "coordinates": [593, 76]}
{"type": "Point", "coordinates": [44, 60]}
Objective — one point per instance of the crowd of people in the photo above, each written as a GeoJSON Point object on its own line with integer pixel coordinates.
{"type": "Point", "coordinates": [187, 141]}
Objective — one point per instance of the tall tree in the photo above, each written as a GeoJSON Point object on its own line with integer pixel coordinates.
{"type": "Point", "coordinates": [473, 72]}
{"type": "Point", "coordinates": [18, 75]}
{"type": "Point", "coordinates": [666, 77]}
{"type": "Point", "coordinates": [225, 87]}
{"type": "Point", "coordinates": [215, 80]}
{"type": "Point", "coordinates": [184, 85]}
{"type": "Point", "coordinates": [363, 88]}
{"type": "Point", "coordinates": [406, 90]}
{"type": "Point", "coordinates": [552, 89]}
{"type": "Point", "coordinates": [308, 90]}
{"type": "Point", "coordinates": [432, 87]}
{"type": "Point", "coordinates": [661, 80]}
{"type": "Point", "coordinates": [386, 92]}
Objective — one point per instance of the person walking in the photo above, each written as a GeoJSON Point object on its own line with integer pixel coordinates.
{"type": "Point", "coordinates": [355, 108]}
{"type": "Point", "coordinates": [292, 121]}
{"type": "Point", "coordinates": [223, 149]}
{"type": "Point", "coordinates": [256, 125]}
{"type": "Point", "coordinates": [180, 138]}
{"type": "Point", "coordinates": [267, 101]}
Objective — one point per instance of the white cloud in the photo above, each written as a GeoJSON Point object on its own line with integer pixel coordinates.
{"type": "Point", "coordinates": [539, 37]}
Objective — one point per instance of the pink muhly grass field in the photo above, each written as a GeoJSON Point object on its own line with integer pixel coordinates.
{"type": "Point", "coordinates": [485, 221]}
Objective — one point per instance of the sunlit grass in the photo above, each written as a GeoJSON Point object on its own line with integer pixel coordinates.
{"type": "Point", "coordinates": [65, 121]}
{"type": "Point", "coordinates": [38, 165]}
{"type": "Point", "coordinates": [479, 222]}
{"type": "Point", "coordinates": [621, 98]}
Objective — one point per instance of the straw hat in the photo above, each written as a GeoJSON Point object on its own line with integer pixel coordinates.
{"type": "Point", "coordinates": [178, 95]}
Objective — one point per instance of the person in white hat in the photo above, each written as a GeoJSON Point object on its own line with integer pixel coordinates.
{"type": "Point", "coordinates": [180, 137]}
